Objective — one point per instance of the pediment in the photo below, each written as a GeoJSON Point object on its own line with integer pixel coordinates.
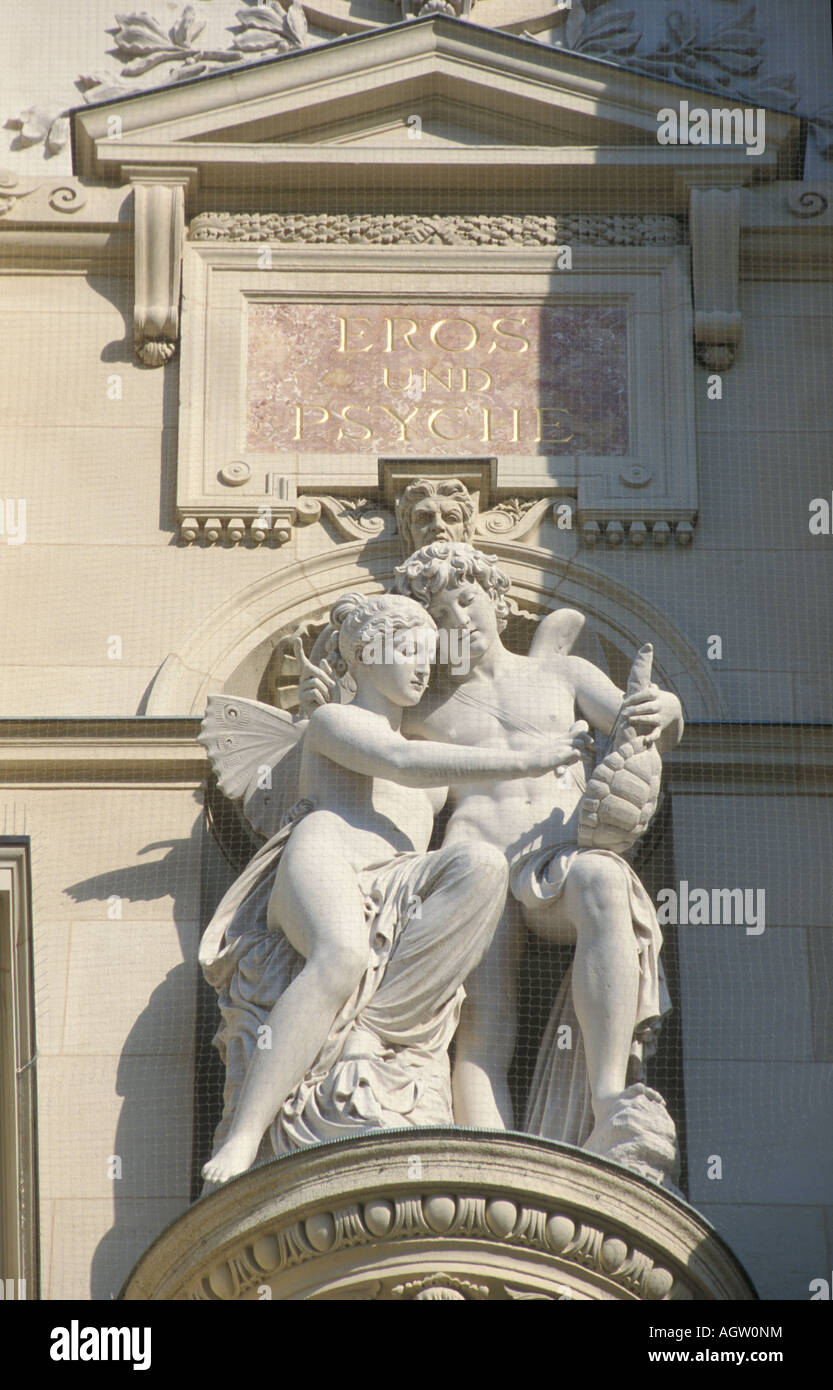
{"type": "Point", "coordinates": [469, 86]}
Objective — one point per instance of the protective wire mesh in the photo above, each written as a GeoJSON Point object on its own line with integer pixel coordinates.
{"type": "Point", "coordinates": [133, 844]}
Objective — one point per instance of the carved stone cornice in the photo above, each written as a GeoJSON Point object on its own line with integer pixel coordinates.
{"type": "Point", "coordinates": [730, 56]}
{"type": "Point", "coordinates": [753, 760]}
{"type": "Point", "coordinates": [470, 1216]}
{"type": "Point", "coordinates": [101, 752]}
{"type": "Point", "coordinates": [356, 519]}
{"type": "Point", "coordinates": [479, 229]}
{"type": "Point", "coordinates": [760, 759]}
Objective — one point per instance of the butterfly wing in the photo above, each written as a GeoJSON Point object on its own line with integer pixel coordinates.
{"type": "Point", "coordinates": [255, 750]}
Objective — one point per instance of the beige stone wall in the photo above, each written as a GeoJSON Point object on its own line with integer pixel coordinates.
{"type": "Point", "coordinates": [115, 1004]}
{"type": "Point", "coordinates": [98, 476]}
{"type": "Point", "coordinates": [755, 1019]}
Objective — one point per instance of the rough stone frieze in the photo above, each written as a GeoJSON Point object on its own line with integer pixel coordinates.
{"type": "Point", "coordinates": [482, 229]}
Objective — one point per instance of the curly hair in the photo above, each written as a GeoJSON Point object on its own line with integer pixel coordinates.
{"type": "Point", "coordinates": [447, 564]}
{"type": "Point", "coordinates": [356, 620]}
{"type": "Point", "coordinates": [418, 490]}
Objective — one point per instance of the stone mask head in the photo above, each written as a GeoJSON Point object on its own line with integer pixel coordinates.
{"type": "Point", "coordinates": [432, 510]}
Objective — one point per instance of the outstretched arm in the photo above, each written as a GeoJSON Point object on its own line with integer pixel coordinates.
{"type": "Point", "coordinates": [361, 741]}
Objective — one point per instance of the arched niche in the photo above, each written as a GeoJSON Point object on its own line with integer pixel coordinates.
{"type": "Point", "coordinates": [232, 649]}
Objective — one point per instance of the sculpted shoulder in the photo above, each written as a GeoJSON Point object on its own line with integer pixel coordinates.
{"type": "Point", "coordinates": [582, 673]}
{"type": "Point", "coordinates": [338, 721]}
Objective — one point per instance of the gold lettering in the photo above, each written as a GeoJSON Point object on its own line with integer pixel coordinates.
{"type": "Point", "coordinates": [390, 385]}
{"type": "Point", "coordinates": [487, 426]}
{"type": "Point", "coordinates": [300, 421]}
{"type": "Point", "coordinates": [545, 424]}
{"type": "Point", "coordinates": [515, 337]}
{"type": "Point", "coordinates": [444, 347]}
{"type": "Point", "coordinates": [446, 410]}
{"type": "Point", "coordinates": [366, 433]}
{"type": "Point", "coordinates": [344, 345]}
{"type": "Point", "coordinates": [426, 372]}
{"type": "Point", "coordinates": [403, 424]}
{"type": "Point", "coordinates": [467, 371]}
{"type": "Point", "coordinates": [393, 331]}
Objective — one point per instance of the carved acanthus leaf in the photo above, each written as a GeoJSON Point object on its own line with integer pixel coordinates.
{"type": "Point", "coordinates": [513, 518]}
{"type": "Point", "coordinates": [40, 124]}
{"type": "Point", "coordinates": [143, 46]}
{"type": "Point", "coordinates": [606, 34]}
{"type": "Point", "coordinates": [354, 518]}
{"type": "Point", "coordinates": [726, 57]}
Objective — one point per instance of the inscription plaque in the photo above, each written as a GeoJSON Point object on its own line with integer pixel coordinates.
{"type": "Point", "coordinates": [370, 378]}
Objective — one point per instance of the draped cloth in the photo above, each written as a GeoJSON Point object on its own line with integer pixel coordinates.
{"type": "Point", "coordinates": [430, 918]}
{"type": "Point", "coordinates": [559, 1103]}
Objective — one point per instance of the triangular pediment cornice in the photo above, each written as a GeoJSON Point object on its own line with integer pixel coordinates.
{"type": "Point", "coordinates": [319, 112]}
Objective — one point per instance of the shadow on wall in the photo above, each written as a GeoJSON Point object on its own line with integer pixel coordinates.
{"type": "Point", "coordinates": [154, 1135]}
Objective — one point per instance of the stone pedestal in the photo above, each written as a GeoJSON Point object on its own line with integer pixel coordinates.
{"type": "Point", "coordinates": [440, 1214]}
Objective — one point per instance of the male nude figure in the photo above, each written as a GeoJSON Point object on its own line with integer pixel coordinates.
{"type": "Point", "coordinates": [585, 897]}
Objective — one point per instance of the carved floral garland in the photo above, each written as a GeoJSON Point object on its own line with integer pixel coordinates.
{"type": "Point", "coordinates": [441, 229]}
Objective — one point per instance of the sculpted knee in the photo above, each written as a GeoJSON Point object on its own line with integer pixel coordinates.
{"type": "Point", "coordinates": [597, 878]}
{"type": "Point", "coordinates": [486, 863]}
{"type": "Point", "coordinates": [339, 970]}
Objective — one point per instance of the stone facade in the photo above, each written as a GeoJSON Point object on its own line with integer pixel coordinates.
{"type": "Point", "coordinates": [150, 557]}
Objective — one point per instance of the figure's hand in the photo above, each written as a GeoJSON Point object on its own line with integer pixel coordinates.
{"type": "Point", "coordinates": [644, 711]}
{"type": "Point", "coordinates": [317, 683]}
{"type": "Point", "coordinates": [565, 748]}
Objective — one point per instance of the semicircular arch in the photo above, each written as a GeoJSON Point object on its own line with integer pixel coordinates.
{"type": "Point", "coordinates": [234, 643]}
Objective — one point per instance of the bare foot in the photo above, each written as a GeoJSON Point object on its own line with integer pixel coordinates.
{"type": "Point", "coordinates": [234, 1157]}
{"type": "Point", "coordinates": [603, 1112]}
{"type": "Point", "coordinates": [636, 1130]}
{"type": "Point", "coordinates": [603, 1133]}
